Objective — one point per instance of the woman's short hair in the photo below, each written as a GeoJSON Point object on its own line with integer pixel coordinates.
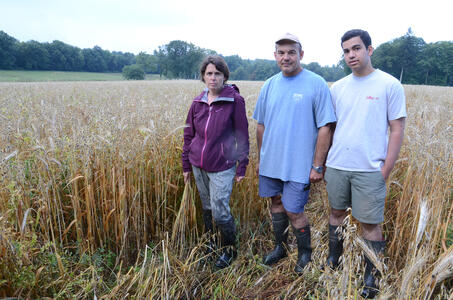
{"type": "Point", "coordinates": [219, 63]}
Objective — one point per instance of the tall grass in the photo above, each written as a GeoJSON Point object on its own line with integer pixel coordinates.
{"type": "Point", "coordinates": [92, 202]}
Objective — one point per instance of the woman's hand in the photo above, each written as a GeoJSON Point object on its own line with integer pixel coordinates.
{"type": "Point", "coordinates": [186, 177]}
{"type": "Point", "coordinates": [238, 178]}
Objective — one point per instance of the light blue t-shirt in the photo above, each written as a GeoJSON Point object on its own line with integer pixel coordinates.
{"type": "Point", "coordinates": [291, 110]}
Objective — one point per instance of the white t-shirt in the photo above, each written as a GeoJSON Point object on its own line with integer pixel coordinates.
{"type": "Point", "coordinates": [363, 107]}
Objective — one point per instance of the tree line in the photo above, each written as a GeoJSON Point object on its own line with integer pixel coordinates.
{"type": "Point", "coordinates": [58, 56]}
{"type": "Point", "coordinates": [413, 61]}
{"type": "Point", "coordinates": [408, 58]}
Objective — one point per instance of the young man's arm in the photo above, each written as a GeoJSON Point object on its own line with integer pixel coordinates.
{"type": "Point", "coordinates": [322, 147]}
{"type": "Point", "coordinates": [394, 146]}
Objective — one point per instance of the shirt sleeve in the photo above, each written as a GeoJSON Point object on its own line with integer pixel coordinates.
{"type": "Point", "coordinates": [241, 130]}
{"type": "Point", "coordinates": [260, 108]}
{"type": "Point", "coordinates": [324, 112]}
{"type": "Point", "coordinates": [396, 102]}
{"type": "Point", "coordinates": [189, 133]}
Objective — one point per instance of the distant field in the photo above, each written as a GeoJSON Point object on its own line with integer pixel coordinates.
{"type": "Point", "coordinates": [36, 76]}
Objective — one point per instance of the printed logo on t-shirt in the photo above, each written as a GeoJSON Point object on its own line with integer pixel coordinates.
{"type": "Point", "coordinates": [297, 97]}
{"type": "Point", "coordinates": [372, 98]}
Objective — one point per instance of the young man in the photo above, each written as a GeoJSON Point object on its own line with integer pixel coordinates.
{"type": "Point", "coordinates": [294, 112]}
{"type": "Point", "coordinates": [367, 103]}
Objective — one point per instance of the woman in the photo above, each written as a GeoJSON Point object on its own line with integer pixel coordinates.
{"type": "Point", "coordinates": [216, 148]}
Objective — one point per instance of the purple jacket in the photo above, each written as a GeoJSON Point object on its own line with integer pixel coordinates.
{"type": "Point", "coordinates": [216, 136]}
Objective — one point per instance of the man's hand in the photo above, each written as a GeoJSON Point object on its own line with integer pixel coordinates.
{"type": "Point", "coordinates": [315, 176]}
{"type": "Point", "coordinates": [186, 177]}
{"type": "Point", "coordinates": [238, 178]}
{"type": "Point", "coordinates": [385, 173]}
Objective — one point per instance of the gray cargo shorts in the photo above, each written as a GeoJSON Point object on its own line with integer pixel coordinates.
{"type": "Point", "coordinates": [364, 192]}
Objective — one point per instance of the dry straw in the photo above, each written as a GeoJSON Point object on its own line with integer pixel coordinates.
{"type": "Point", "coordinates": [88, 169]}
{"type": "Point", "coordinates": [186, 219]}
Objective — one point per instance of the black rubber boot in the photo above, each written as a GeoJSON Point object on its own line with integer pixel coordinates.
{"type": "Point", "coordinates": [335, 247]}
{"type": "Point", "coordinates": [209, 229]}
{"type": "Point", "coordinates": [228, 233]}
{"type": "Point", "coordinates": [207, 219]}
{"type": "Point", "coordinates": [370, 284]}
{"type": "Point", "coordinates": [304, 250]}
{"type": "Point", "coordinates": [280, 224]}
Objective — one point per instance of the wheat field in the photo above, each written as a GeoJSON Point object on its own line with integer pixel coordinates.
{"type": "Point", "coordinates": [93, 204]}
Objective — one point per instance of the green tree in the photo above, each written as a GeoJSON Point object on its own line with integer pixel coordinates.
{"type": "Point", "coordinates": [162, 61]}
{"type": "Point", "coordinates": [177, 52]}
{"type": "Point", "coordinates": [148, 62]}
{"type": "Point", "coordinates": [133, 72]}
{"type": "Point", "coordinates": [437, 63]}
{"type": "Point", "coordinates": [8, 48]}
{"type": "Point", "coordinates": [180, 59]}
{"type": "Point", "coordinates": [33, 55]}
{"type": "Point", "coordinates": [386, 58]}
{"type": "Point", "coordinates": [262, 69]}
{"type": "Point", "coordinates": [333, 73]}
{"type": "Point", "coordinates": [193, 61]}
{"type": "Point", "coordinates": [94, 60]}
{"type": "Point", "coordinates": [239, 74]}
{"type": "Point", "coordinates": [400, 57]}
{"type": "Point", "coordinates": [120, 59]}
{"type": "Point", "coordinates": [411, 49]}
{"type": "Point", "coordinates": [329, 73]}
{"type": "Point", "coordinates": [408, 58]}
{"type": "Point", "coordinates": [234, 62]}
{"type": "Point", "coordinates": [63, 57]}
{"type": "Point", "coordinates": [314, 67]}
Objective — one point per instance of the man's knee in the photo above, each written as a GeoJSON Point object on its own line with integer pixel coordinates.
{"type": "Point", "coordinates": [370, 227]}
{"type": "Point", "coordinates": [276, 200]}
{"type": "Point", "coordinates": [336, 216]}
{"type": "Point", "coordinates": [372, 232]}
{"type": "Point", "coordinates": [277, 205]}
{"type": "Point", "coordinates": [337, 213]}
{"type": "Point", "coordinates": [293, 217]}
{"type": "Point", "coordinates": [298, 220]}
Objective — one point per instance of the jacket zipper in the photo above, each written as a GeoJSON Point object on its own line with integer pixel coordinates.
{"type": "Point", "coordinates": [205, 137]}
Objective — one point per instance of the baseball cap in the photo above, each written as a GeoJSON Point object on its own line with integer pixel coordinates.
{"type": "Point", "coordinates": [288, 37]}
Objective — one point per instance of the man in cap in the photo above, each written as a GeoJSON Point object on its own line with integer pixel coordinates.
{"type": "Point", "coordinates": [294, 114]}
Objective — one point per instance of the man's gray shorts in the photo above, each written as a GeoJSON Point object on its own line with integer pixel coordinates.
{"type": "Point", "coordinates": [215, 190]}
{"type": "Point", "coordinates": [364, 192]}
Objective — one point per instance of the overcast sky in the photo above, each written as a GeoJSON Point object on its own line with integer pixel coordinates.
{"type": "Point", "coordinates": [246, 28]}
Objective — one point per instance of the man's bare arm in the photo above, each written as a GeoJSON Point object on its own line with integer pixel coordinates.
{"type": "Point", "coordinates": [394, 146]}
{"type": "Point", "coordinates": [323, 143]}
{"type": "Point", "coordinates": [259, 141]}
